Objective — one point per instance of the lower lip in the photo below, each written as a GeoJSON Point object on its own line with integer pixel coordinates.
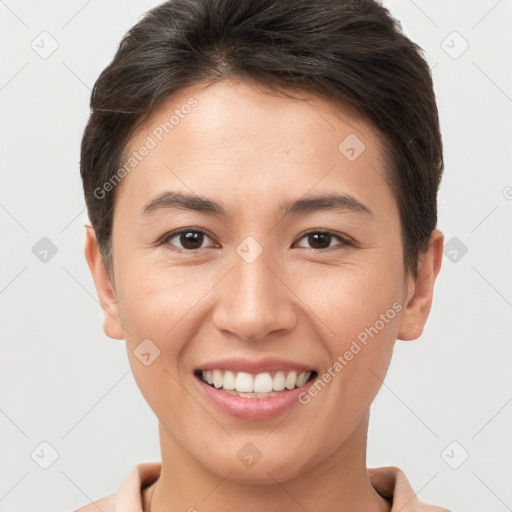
{"type": "Point", "coordinates": [252, 408]}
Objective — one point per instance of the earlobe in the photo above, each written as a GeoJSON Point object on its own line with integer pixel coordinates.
{"type": "Point", "coordinates": [418, 300]}
{"type": "Point", "coordinates": [106, 293]}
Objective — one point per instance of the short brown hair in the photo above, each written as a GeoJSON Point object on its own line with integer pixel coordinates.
{"type": "Point", "coordinates": [351, 51]}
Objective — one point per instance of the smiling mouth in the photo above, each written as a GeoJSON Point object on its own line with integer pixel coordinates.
{"type": "Point", "coordinates": [259, 385]}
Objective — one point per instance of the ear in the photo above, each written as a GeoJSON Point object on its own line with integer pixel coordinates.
{"type": "Point", "coordinates": [106, 293]}
{"type": "Point", "coordinates": [420, 289]}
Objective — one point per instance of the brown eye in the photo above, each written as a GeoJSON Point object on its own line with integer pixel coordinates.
{"type": "Point", "coordinates": [322, 239]}
{"type": "Point", "coordinates": [187, 239]}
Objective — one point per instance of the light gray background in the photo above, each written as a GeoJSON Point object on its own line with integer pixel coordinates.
{"type": "Point", "coordinates": [65, 383]}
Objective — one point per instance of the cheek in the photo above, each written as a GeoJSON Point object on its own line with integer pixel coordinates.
{"type": "Point", "coordinates": [162, 309]}
{"type": "Point", "coordinates": [154, 306]}
{"type": "Point", "coordinates": [155, 300]}
{"type": "Point", "coordinates": [361, 307]}
{"type": "Point", "coordinates": [352, 297]}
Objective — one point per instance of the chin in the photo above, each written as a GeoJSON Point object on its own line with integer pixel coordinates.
{"type": "Point", "coordinates": [247, 466]}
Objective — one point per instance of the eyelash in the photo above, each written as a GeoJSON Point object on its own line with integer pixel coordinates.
{"type": "Point", "coordinates": [165, 240]}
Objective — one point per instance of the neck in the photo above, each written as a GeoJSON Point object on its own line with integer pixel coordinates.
{"type": "Point", "coordinates": [338, 483]}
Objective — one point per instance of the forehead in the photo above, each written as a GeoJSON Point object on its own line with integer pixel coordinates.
{"type": "Point", "coordinates": [243, 143]}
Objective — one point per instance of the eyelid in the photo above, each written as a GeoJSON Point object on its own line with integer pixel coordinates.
{"type": "Point", "coordinates": [345, 240]}
{"type": "Point", "coordinates": [165, 239]}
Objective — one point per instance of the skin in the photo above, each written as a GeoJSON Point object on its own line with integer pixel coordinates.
{"type": "Point", "coordinates": [296, 301]}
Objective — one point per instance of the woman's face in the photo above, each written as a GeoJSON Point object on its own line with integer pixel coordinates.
{"type": "Point", "coordinates": [219, 263]}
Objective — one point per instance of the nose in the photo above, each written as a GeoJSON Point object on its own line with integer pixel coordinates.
{"type": "Point", "coordinates": [252, 302]}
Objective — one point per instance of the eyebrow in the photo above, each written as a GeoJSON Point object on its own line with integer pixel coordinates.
{"type": "Point", "coordinates": [308, 204]}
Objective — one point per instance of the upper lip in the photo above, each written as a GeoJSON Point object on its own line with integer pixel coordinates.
{"type": "Point", "coordinates": [267, 364]}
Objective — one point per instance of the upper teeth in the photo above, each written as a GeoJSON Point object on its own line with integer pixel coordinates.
{"type": "Point", "coordinates": [259, 383]}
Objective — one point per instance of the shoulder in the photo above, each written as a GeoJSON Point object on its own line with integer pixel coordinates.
{"type": "Point", "coordinates": [391, 483]}
{"type": "Point", "coordinates": [105, 504]}
{"type": "Point", "coordinates": [129, 496]}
